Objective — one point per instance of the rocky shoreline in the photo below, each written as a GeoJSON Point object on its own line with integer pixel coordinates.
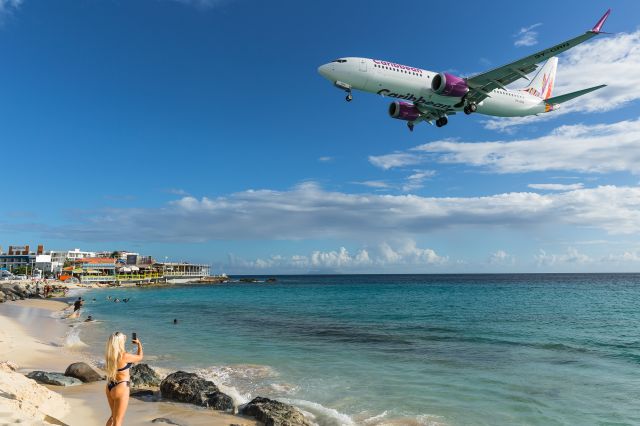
{"type": "Point", "coordinates": [182, 387]}
{"type": "Point", "coordinates": [10, 291]}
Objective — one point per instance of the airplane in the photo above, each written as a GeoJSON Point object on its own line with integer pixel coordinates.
{"type": "Point", "coordinates": [426, 96]}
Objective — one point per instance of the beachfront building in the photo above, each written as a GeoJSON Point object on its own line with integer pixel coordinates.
{"type": "Point", "coordinates": [18, 257]}
{"type": "Point", "coordinates": [11, 262]}
{"type": "Point", "coordinates": [95, 269]}
{"type": "Point", "coordinates": [61, 256]}
{"type": "Point", "coordinates": [183, 272]}
{"type": "Point", "coordinates": [45, 265]}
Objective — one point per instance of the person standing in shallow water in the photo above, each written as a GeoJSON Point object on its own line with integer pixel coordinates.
{"type": "Point", "coordinates": [118, 362]}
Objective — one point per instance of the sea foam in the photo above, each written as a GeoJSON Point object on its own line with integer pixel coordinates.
{"type": "Point", "coordinates": [321, 414]}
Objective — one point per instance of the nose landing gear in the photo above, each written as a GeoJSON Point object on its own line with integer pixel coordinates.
{"type": "Point", "coordinates": [349, 96]}
{"type": "Point", "coordinates": [410, 125]}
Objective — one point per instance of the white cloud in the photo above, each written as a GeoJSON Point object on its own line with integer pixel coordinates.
{"type": "Point", "coordinates": [416, 179]}
{"type": "Point", "coordinates": [378, 184]}
{"type": "Point", "coordinates": [571, 256]}
{"type": "Point", "coordinates": [526, 36]}
{"type": "Point", "coordinates": [555, 186]}
{"type": "Point", "coordinates": [389, 161]}
{"type": "Point", "coordinates": [621, 258]}
{"type": "Point", "coordinates": [501, 257]}
{"type": "Point", "coordinates": [325, 159]}
{"type": "Point", "coordinates": [596, 148]}
{"type": "Point", "coordinates": [309, 212]}
{"type": "Point", "coordinates": [404, 253]}
{"type": "Point", "coordinates": [612, 60]}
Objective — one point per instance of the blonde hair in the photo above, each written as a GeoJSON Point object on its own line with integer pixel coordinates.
{"type": "Point", "coordinates": [113, 352]}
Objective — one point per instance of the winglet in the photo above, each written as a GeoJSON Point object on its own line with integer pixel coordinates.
{"type": "Point", "coordinates": [598, 26]}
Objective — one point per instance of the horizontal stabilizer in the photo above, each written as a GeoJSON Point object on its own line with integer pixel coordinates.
{"type": "Point", "coordinates": [564, 98]}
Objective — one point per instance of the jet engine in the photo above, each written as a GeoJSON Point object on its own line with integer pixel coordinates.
{"type": "Point", "coordinates": [446, 84]}
{"type": "Point", "coordinates": [403, 111]}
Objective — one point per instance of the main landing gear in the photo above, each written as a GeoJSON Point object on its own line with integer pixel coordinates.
{"type": "Point", "coordinates": [442, 121]}
{"type": "Point", "coordinates": [471, 108]}
{"type": "Point", "coordinates": [410, 125]}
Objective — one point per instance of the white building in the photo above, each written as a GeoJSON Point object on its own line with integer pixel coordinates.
{"type": "Point", "coordinates": [46, 265]}
{"type": "Point", "coordinates": [62, 256]}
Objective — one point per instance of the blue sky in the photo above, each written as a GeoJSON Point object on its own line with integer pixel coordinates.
{"type": "Point", "coordinates": [201, 130]}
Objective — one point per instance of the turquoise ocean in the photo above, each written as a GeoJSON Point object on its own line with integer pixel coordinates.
{"type": "Point", "coordinates": [399, 349]}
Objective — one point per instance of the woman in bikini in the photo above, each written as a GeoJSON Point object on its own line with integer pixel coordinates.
{"type": "Point", "coordinates": [118, 362]}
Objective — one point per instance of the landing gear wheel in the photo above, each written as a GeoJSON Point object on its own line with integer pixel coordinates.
{"type": "Point", "coordinates": [349, 97]}
{"type": "Point", "coordinates": [442, 121]}
{"type": "Point", "coordinates": [470, 109]}
{"type": "Point", "coordinates": [410, 126]}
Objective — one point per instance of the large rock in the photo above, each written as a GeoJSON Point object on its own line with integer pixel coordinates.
{"type": "Point", "coordinates": [57, 379]}
{"type": "Point", "coordinates": [188, 387]}
{"type": "Point", "coordinates": [144, 376]}
{"type": "Point", "coordinates": [274, 413]}
{"type": "Point", "coordinates": [83, 371]}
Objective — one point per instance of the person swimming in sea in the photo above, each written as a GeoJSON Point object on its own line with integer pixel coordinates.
{"type": "Point", "coordinates": [117, 364]}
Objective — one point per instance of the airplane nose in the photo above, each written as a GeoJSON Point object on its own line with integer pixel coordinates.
{"type": "Point", "coordinates": [325, 71]}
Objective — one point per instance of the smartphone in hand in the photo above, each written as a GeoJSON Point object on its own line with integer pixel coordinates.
{"type": "Point", "coordinates": [134, 337]}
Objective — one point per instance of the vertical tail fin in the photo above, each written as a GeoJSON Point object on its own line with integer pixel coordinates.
{"type": "Point", "coordinates": [542, 84]}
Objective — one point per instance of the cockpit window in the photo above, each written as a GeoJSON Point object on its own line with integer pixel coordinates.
{"type": "Point", "coordinates": [339, 60]}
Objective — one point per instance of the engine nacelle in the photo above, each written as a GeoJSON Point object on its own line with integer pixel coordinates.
{"type": "Point", "coordinates": [445, 84]}
{"type": "Point", "coordinates": [403, 111]}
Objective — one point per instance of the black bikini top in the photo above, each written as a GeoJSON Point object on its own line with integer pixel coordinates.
{"type": "Point", "coordinates": [126, 367]}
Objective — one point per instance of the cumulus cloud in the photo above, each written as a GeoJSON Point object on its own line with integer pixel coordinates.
{"type": "Point", "coordinates": [501, 257]}
{"type": "Point", "coordinates": [555, 186]}
{"type": "Point", "coordinates": [613, 60]}
{"type": "Point", "coordinates": [571, 256]}
{"type": "Point", "coordinates": [309, 212]}
{"type": "Point", "coordinates": [596, 148]}
{"type": "Point", "coordinates": [527, 36]}
{"type": "Point", "coordinates": [384, 255]}
{"type": "Point", "coordinates": [622, 258]}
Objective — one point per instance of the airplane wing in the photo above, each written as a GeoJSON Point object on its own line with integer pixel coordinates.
{"type": "Point", "coordinates": [564, 98]}
{"type": "Point", "coordinates": [481, 84]}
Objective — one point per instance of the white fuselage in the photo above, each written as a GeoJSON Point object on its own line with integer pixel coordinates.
{"type": "Point", "coordinates": [411, 84]}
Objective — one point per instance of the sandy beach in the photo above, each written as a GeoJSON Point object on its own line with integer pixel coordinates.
{"type": "Point", "coordinates": [33, 338]}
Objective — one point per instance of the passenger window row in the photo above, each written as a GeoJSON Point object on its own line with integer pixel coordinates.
{"type": "Point", "coordinates": [396, 69]}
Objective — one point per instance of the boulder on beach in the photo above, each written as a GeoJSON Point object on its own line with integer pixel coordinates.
{"type": "Point", "coordinates": [274, 413]}
{"type": "Point", "coordinates": [84, 372]}
{"type": "Point", "coordinates": [144, 376]}
{"type": "Point", "coordinates": [57, 379]}
{"type": "Point", "coordinates": [188, 387]}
